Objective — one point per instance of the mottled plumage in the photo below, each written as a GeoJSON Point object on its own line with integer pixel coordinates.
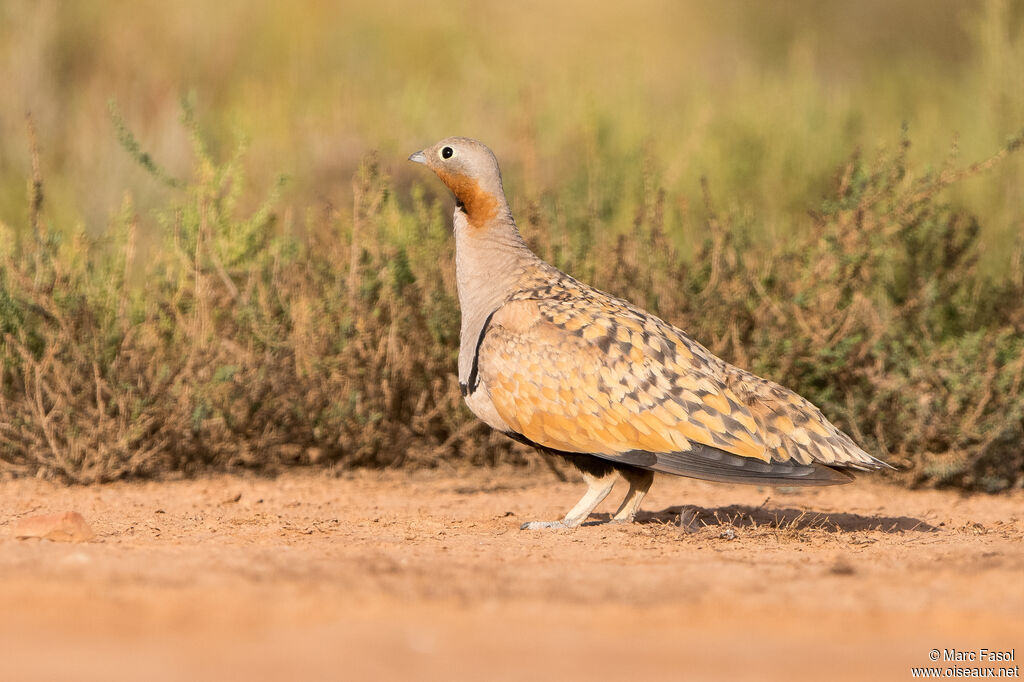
{"type": "Point", "coordinates": [560, 365]}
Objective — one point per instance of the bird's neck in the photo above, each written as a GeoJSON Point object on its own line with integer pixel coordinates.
{"type": "Point", "coordinates": [480, 203]}
{"type": "Point", "coordinates": [490, 261]}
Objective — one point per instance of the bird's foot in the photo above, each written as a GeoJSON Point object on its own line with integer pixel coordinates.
{"type": "Point", "coordinates": [537, 525]}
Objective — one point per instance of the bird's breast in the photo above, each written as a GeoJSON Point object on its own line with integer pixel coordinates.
{"type": "Point", "coordinates": [480, 404]}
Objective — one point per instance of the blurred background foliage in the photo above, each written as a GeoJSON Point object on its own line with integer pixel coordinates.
{"type": "Point", "coordinates": [227, 260]}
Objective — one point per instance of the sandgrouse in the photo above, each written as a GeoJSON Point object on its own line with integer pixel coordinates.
{"type": "Point", "coordinates": [556, 364]}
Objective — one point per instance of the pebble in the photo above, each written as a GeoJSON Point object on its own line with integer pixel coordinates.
{"type": "Point", "coordinates": [63, 527]}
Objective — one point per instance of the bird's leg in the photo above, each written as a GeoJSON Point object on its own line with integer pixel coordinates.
{"type": "Point", "coordinates": [639, 483]}
{"type": "Point", "coordinates": [598, 488]}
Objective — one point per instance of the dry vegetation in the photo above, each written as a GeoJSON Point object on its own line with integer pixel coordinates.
{"type": "Point", "coordinates": [213, 324]}
{"type": "Point", "coordinates": [247, 346]}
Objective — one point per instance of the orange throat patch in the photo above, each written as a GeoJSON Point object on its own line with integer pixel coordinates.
{"type": "Point", "coordinates": [479, 205]}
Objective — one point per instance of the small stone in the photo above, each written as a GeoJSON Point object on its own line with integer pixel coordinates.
{"type": "Point", "coordinates": [64, 527]}
{"type": "Point", "coordinates": [842, 567]}
{"type": "Point", "coordinates": [689, 520]}
{"type": "Point", "coordinates": [727, 534]}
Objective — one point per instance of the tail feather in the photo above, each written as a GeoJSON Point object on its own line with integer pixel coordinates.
{"type": "Point", "coordinates": [711, 464]}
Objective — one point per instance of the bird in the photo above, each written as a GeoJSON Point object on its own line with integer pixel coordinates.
{"type": "Point", "coordinates": [575, 372]}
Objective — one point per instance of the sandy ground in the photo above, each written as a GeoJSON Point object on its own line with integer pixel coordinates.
{"type": "Point", "coordinates": [427, 576]}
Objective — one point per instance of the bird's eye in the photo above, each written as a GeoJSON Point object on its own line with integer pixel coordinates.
{"type": "Point", "coordinates": [447, 152]}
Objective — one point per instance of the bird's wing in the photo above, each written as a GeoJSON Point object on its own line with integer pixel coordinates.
{"type": "Point", "coordinates": [595, 375]}
{"type": "Point", "coordinates": [792, 428]}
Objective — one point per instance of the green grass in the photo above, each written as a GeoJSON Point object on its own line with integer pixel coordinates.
{"type": "Point", "coordinates": [259, 278]}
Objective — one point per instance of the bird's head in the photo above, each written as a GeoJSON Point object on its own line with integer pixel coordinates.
{"type": "Point", "coordinates": [470, 171]}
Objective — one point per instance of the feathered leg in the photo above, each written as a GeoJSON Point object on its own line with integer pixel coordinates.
{"type": "Point", "coordinates": [639, 483]}
{"type": "Point", "coordinates": [598, 488]}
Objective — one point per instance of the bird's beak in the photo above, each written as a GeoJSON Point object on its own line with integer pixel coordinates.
{"type": "Point", "coordinates": [418, 157]}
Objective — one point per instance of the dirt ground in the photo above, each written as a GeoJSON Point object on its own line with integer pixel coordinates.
{"type": "Point", "coordinates": [426, 575]}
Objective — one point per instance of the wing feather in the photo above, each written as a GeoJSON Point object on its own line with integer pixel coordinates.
{"type": "Point", "coordinates": [595, 375]}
